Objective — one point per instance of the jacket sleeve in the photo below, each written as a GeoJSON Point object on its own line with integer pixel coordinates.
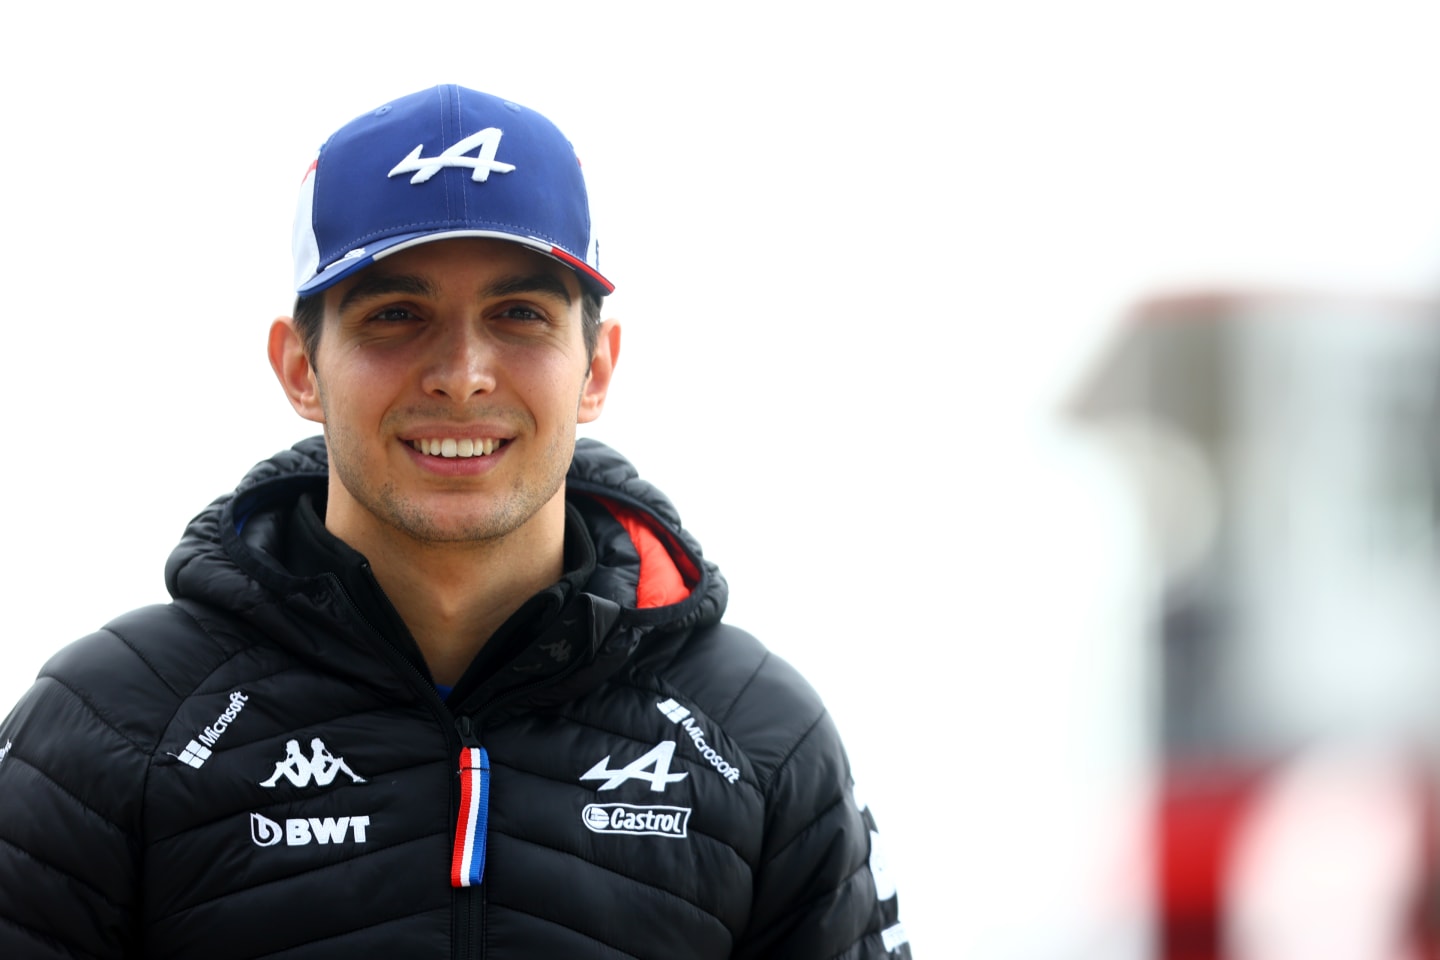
{"type": "Point", "coordinates": [71, 778]}
{"type": "Point", "coordinates": [822, 891]}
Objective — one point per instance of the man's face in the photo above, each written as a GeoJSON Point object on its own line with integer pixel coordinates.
{"type": "Point", "coordinates": [450, 378]}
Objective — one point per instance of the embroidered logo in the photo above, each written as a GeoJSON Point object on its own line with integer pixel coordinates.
{"type": "Point", "coordinates": [299, 831]}
{"type": "Point", "coordinates": [193, 755]}
{"type": "Point", "coordinates": [487, 141]}
{"type": "Point", "coordinates": [559, 650]}
{"type": "Point", "coordinates": [653, 766]}
{"type": "Point", "coordinates": [321, 766]}
{"type": "Point", "coordinates": [5, 750]}
{"type": "Point", "coordinates": [197, 751]}
{"type": "Point", "coordinates": [681, 715]}
{"type": "Point", "coordinates": [636, 821]}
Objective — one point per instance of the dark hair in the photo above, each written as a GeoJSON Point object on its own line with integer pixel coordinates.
{"type": "Point", "coordinates": [310, 313]}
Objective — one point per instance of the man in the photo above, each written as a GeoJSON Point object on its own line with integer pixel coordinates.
{"type": "Point", "coordinates": [504, 639]}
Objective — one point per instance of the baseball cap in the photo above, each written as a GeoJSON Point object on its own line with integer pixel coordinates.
{"type": "Point", "coordinates": [444, 162]}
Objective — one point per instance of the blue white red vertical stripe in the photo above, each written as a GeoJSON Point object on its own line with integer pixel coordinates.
{"type": "Point", "coordinates": [467, 864]}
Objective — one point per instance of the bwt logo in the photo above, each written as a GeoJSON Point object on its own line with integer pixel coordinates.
{"type": "Point", "coordinates": [298, 831]}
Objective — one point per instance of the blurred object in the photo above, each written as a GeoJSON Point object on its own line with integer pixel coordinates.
{"type": "Point", "coordinates": [1329, 854]}
{"type": "Point", "coordinates": [1285, 452]}
{"type": "Point", "coordinates": [1199, 809]}
{"type": "Point", "coordinates": [1329, 861]}
{"type": "Point", "coordinates": [1285, 449]}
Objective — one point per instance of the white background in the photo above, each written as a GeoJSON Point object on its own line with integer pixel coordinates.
{"type": "Point", "coordinates": [863, 254]}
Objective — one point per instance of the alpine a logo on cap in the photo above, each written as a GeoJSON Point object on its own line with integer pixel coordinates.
{"type": "Point", "coordinates": [636, 821]}
{"type": "Point", "coordinates": [487, 141]}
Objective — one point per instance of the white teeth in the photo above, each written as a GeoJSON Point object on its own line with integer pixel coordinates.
{"type": "Point", "coordinates": [450, 447]}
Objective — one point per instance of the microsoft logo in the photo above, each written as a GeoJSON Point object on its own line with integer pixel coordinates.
{"type": "Point", "coordinates": [193, 754]}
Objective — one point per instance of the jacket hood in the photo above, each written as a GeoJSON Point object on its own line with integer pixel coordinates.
{"type": "Point", "coordinates": [650, 572]}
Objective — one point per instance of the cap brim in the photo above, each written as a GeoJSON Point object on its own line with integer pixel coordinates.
{"type": "Point", "coordinates": [365, 256]}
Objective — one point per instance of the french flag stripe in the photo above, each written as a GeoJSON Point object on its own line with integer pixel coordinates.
{"type": "Point", "coordinates": [467, 863]}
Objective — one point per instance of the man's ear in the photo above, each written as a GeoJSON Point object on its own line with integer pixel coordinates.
{"type": "Point", "coordinates": [293, 369]}
{"type": "Point", "coordinates": [602, 367]}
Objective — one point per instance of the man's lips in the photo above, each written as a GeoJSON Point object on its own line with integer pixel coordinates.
{"type": "Point", "coordinates": [457, 447]}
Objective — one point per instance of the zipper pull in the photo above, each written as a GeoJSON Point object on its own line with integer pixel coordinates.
{"type": "Point", "coordinates": [467, 863]}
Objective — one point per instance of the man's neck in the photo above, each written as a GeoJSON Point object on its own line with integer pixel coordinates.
{"type": "Point", "coordinates": [454, 596]}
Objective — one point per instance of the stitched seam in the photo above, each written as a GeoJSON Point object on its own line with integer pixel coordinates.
{"type": "Point", "coordinates": [44, 938]}
{"type": "Point", "coordinates": [624, 876]}
{"type": "Point", "coordinates": [141, 748]}
{"type": "Point", "coordinates": [288, 877]}
{"type": "Point", "coordinates": [804, 830]}
{"type": "Point", "coordinates": [745, 686]}
{"type": "Point", "coordinates": [66, 793]}
{"type": "Point", "coordinates": [789, 754]}
{"type": "Point", "coordinates": [565, 926]}
{"type": "Point", "coordinates": [337, 936]}
{"type": "Point", "coordinates": [46, 865]}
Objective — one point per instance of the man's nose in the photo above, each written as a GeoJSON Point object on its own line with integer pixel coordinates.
{"type": "Point", "coordinates": [462, 362]}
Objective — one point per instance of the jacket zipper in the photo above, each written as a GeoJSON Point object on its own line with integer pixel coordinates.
{"type": "Point", "coordinates": [466, 902]}
{"type": "Point", "coordinates": [472, 812]}
{"type": "Point", "coordinates": [467, 866]}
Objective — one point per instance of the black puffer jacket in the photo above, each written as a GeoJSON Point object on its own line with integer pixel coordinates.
{"type": "Point", "coordinates": [255, 770]}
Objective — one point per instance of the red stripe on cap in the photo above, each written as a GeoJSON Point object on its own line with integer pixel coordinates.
{"type": "Point", "coordinates": [583, 267]}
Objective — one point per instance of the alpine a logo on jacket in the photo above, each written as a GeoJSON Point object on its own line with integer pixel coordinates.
{"type": "Point", "coordinates": [653, 767]}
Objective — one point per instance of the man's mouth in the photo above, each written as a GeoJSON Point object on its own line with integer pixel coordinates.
{"type": "Point", "coordinates": [450, 447]}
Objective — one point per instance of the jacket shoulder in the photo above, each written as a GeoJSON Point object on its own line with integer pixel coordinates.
{"type": "Point", "coordinates": [816, 890]}
{"type": "Point", "coordinates": [762, 702]}
{"type": "Point", "coordinates": [75, 755]}
{"type": "Point", "coordinates": [134, 671]}
{"type": "Point", "coordinates": [115, 691]}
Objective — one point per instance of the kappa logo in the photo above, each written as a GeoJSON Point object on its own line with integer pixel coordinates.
{"type": "Point", "coordinates": [299, 831]}
{"type": "Point", "coordinates": [681, 715]}
{"type": "Point", "coordinates": [321, 766]}
{"type": "Point", "coordinates": [197, 751]}
{"type": "Point", "coordinates": [636, 821]}
{"type": "Point", "coordinates": [487, 141]}
{"type": "Point", "coordinates": [653, 766]}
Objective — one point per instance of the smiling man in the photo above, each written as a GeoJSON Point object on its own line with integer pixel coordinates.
{"type": "Point", "coordinates": [551, 744]}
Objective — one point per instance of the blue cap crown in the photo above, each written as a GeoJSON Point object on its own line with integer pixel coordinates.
{"type": "Point", "coordinates": [444, 162]}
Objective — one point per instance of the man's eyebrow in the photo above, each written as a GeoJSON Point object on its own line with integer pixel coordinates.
{"type": "Point", "coordinates": [384, 284]}
{"type": "Point", "coordinates": [529, 283]}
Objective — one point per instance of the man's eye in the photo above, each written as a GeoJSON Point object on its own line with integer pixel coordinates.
{"type": "Point", "coordinates": [522, 313]}
{"type": "Point", "coordinates": [392, 315]}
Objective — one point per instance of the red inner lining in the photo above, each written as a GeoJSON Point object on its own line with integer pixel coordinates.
{"type": "Point", "coordinates": [662, 581]}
